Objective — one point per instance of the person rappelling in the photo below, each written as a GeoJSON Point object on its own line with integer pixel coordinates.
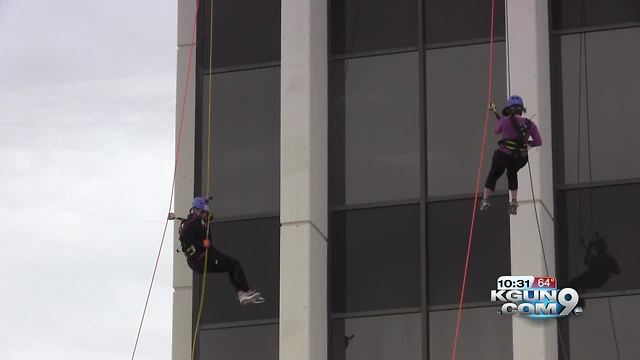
{"type": "Point", "coordinates": [195, 235]}
{"type": "Point", "coordinates": [518, 135]}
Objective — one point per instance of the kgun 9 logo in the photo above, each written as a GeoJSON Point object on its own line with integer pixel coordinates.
{"type": "Point", "coordinates": [533, 301]}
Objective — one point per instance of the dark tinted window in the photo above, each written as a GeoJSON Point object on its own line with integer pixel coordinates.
{"type": "Point", "coordinates": [612, 213]}
{"type": "Point", "coordinates": [375, 129]}
{"type": "Point", "coordinates": [256, 244]}
{"type": "Point", "coordinates": [448, 231]}
{"type": "Point", "coordinates": [484, 334]}
{"type": "Point", "coordinates": [253, 342]}
{"type": "Point", "coordinates": [606, 122]}
{"type": "Point", "coordinates": [452, 21]}
{"type": "Point", "coordinates": [377, 338]}
{"type": "Point", "coordinates": [245, 142]}
{"type": "Point", "coordinates": [610, 323]}
{"type": "Point", "coordinates": [245, 32]}
{"type": "Point", "coordinates": [366, 25]}
{"type": "Point", "coordinates": [456, 105]}
{"type": "Point", "coordinates": [575, 14]}
{"type": "Point", "coordinates": [375, 259]}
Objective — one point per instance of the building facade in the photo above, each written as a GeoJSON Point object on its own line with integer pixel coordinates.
{"type": "Point", "coordinates": [340, 141]}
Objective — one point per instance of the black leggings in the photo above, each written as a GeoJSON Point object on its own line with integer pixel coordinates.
{"type": "Point", "coordinates": [502, 161]}
{"type": "Point", "coordinates": [219, 263]}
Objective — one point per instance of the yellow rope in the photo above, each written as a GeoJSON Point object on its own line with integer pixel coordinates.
{"type": "Point", "coordinates": [206, 252]}
{"type": "Point", "coordinates": [202, 289]}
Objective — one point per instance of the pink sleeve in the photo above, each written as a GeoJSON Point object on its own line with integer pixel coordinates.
{"type": "Point", "coordinates": [535, 136]}
{"type": "Point", "coordinates": [498, 128]}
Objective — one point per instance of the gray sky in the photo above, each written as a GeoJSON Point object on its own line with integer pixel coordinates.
{"type": "Point", "coordinates": [87, 92]}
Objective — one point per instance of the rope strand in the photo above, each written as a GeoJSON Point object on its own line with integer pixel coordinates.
{"type": "Point", "coordinates": [208, 192]}
{"type": "Point", "coordinates": [173, 182]}
{"type": "Point", "coordinates": [477, 189]}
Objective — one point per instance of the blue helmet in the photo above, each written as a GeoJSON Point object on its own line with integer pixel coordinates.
{"type": "Point", "coordinates": [200, 203]}
{"type": "Point", "coordinates": [515, 101]}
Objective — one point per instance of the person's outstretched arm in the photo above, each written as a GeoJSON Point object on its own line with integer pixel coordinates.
{"type": "Point", "coordinates": [536, 139]}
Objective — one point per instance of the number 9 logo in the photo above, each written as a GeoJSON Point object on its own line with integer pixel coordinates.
{"type": "Point", "coordinates": [569, 299]}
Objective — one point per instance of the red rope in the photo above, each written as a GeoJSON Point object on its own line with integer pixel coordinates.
{"type": "Point", "coordinates": [475, 199]}
{"type": "Point", "coordinates": [173, 182]}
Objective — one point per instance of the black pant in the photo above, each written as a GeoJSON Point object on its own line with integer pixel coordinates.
{"type": "Point", "coordinates": [502, 161]}
{"type": "Point", "coordinates": [219, 263]}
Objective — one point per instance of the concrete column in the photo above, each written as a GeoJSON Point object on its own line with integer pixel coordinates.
{"type": "Point", "coordinates": [182, 276]}
{"type": "Point", "coordinates": [303, 187]}
{"type": "Point", "coordinates": [528, 71]}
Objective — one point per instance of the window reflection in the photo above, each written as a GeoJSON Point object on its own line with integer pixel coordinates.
{"type": "Point", "coordinates": [486, 335]}
{"type": "Point", "coordinates": [607, 329]}
{"type": "Point", "coordinates": [375, 259]}
{"type": "Point", "coordinates": [374, 124]}
{"type": "Point", "coordinates": [252, 342]}
{"type": "Point", "coordinates": [245, 142]}
{"type": "Point", "coordinates": [448, 231]}
{"type": "Point", "coordinates": [377, 338]}
{"type": "Point", "coordinates": [245, 32]}
{"type": "Point", "coordinates": [599, 100]}
{"type": "Point", "coordinates": [256, 244]}
{"type": "Point", "coordinates": [603, 216]}
{"type": "Point", "coordinates": [373, 25]}
{"type": "Point", "coordinates": [456, 94]}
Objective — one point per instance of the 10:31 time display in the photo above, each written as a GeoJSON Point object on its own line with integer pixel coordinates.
{"type": "Point", "coordinates": [515, 282]}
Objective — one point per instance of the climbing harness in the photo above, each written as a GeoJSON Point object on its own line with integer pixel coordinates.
{"type": "Point", "coordinates": [520, 145]}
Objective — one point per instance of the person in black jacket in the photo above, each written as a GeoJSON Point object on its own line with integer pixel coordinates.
{"type": "Point", "coordinates": [195, 241]}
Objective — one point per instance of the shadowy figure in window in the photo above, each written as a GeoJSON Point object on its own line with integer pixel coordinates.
{"type": "Point", "coordinates": [347, 341]}
{"type": "Point", "coordinates": [601, 266]}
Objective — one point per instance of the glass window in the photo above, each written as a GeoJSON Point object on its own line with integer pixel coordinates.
{"type": "Point", "coordinates": [484, 335]}
{"type": "Point", "coordinates": [607, 329]}
{"type": "Point", "coordinates": [245, 32]}
{"type": "Point", "coordinates": [598, 238]}
{"type": "Point", "coordinates": [456, 106]}
{"type": "Point", "coordinates": [448, 231]}
{"type": "Point", "coordinates": [576, 14]}
{"type": "Point", "coordinates": [245, 142]}
{"type": "Point", "coordinates": [375, 140]}
{"type": "Point", "coordinates": [375, 259]}
{"type": "Point", "coordinates": [454, 21]}
{"type": "Point", "coordinates": [252, 342]}
{"type": "Point", "coordinates": [377, 338]}
{"type": "Point", "coordinates": [256, 244]}
{"type": "Point", "coordinates": [369, 25]}
{"type": "Point", "coordinates": [605, 125]}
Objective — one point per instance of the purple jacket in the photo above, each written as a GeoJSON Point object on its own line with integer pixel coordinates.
{"type": "Point", "coordinates": [504, 128]}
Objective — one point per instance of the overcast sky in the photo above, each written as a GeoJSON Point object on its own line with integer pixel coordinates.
{"type": "Point", "coordinates": [87, 93]}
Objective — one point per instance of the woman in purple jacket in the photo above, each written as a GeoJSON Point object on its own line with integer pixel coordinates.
{"type": "Point", "coordinates": [518, 135]}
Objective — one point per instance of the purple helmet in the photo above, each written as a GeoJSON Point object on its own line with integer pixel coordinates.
{"type": "Point", "coordinates": [515, 101]}
{"type": "Point", "coordinates": [200, 203]}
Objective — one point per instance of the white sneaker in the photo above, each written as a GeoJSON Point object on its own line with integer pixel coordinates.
{"type": "Point", "coordinates": [485, 205]}
{"type": "Point", "coordinates": [250, 297]}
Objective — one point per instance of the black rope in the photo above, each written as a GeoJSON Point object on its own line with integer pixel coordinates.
{"type": "Point", "coordinates": [544, 256]}
{"type": "Point", "coordinates": [584, 53]}
{"type": "Point", "coordinates": [533, 197]}
{"type": "Point", "coordinates": [578, 179]}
